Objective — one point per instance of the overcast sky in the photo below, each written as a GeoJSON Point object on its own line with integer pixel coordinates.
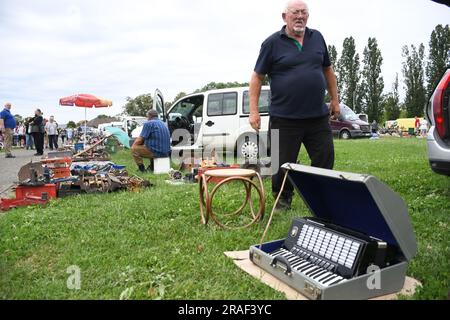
{"type": "Point", "coordinates": [116, 48]}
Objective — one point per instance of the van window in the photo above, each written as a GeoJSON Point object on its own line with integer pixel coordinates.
{"type": "Point", "coordinates": [187, 108]}
{"type": "Point", "coordinates": [264, 102]}
{"type": "Point", "coordinates": [222, 104]}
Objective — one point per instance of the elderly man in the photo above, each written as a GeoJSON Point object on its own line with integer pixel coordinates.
{"type": "Point", "coordinates": [297, 62]}
{"type": "Point", "coordinates": [9, 124]}
{"type": "Point", "coordinates": [51, 127]}
{"type": "Point", "coordinates": [154, 141]}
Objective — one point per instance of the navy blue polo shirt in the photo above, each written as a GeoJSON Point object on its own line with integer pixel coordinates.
{"type": "Point", "coordinates": [296, 75]}
{"type": "Point", "coordinates": [8, 119]}
{"type": "Point", "coordinates": [156, 137]}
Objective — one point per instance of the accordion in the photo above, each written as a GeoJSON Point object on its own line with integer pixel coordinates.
{"type": "Point", "coordinates": [357, 246]}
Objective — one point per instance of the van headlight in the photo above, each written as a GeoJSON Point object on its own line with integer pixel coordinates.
{"type": "Point", "coordinates": [356, 126]}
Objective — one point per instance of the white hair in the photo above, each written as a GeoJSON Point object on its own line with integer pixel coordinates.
{"type": "Point", "coordinates": [289, 2]}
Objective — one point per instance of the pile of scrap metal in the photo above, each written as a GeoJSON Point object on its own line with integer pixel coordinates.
{"type": "Point", "coordinates": [96, 152]}
{"type": "Point", "coordinates": [38, 183]}
{"type": "Point", "coordinates": [101, 177]}
{"type": "Point", "coordinates": [34, 188]}
{"type": "Point", "coordinates": [176, 178]}
{"type": "Point", "coordinates": [93, 155]}
{"type": "Point", "coordinates": [103, 183]}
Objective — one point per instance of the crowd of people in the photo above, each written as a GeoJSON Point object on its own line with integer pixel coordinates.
{"type": "Point", "coordinates": [32, 133]}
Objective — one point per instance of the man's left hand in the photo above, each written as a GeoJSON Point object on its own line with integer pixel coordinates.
{"type": "Point", "coordinates": [335, 109]}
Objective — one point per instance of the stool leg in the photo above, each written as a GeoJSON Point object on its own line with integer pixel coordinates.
{"type": "Point", "coordinates": [204, 199]}
{"type": "Point", "coordinates": [262, 200]}
{"type": "Point", "coordinates": [249, 199]}
{"type": "Point", "coordinates": [260, 190]}
{"type": "Point", "coordinates": [262, 194]}
{"type": "Point", "coordinates": [252, 184]}
{"type": "Point", "coordinates": [248, 193]}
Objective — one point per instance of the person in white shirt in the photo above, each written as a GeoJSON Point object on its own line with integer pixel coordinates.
{"type": "Point", "coordinates": [52, 132]}
{"type": "Point", "coordinates": [69, 135]}
{"type": "Point", "coordinates": [424, 127]}
{"type": "Point", "coordinates": [16, 136]}
{"type": "Point", "coordinates": [21, 133]}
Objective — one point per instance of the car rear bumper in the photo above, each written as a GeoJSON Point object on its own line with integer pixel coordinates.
{"type": "Point", "coordinates": [440, 167]}
{"type": "Point", "coordinates": [438, 154]}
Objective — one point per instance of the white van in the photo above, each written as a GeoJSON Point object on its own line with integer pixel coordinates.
{"type": "Point", "coordinates": [215, 120]}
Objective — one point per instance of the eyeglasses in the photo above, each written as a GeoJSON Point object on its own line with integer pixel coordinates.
{"type": "Point", "coordinates": [299, 13]}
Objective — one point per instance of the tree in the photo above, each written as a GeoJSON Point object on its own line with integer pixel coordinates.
{"type": "Point", "coordinates": [439, 56]}
{"type": "Point", "coordinates": [372, 83]}
{"type": "Point", "coordinates": [179, 96]}
{"type": "Point", "coordinates": [138, 106]}
{"type": "Point", "coordinates": [102, 119]}
{"type": "Point", "coordinates": [392, 102]}
{"type": "Point", "coordinates": [332, 52]}
{"type": "Point", "coordinates": [348, 67]}
{"type": "Point", "coordinates": [222, 85]}
{"type": "Point", "coordinates": [413, 73]}
{"type": "Point", "coordinates": [71, 124]}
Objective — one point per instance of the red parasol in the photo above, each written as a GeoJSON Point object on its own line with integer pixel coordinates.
{"type": "Point", "coordinates": [85, 101]}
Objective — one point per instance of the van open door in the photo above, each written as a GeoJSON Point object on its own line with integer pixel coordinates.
{"type": "Point", "coordinates": [158, 105]}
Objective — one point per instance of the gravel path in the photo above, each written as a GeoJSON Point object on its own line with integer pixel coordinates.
{"type": "Point", "coordinates": [9, 168]}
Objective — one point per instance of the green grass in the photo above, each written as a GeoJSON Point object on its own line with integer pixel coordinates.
{"type": "Point", "coordinates": [151, 245]}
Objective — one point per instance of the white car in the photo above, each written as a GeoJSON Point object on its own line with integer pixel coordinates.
{"type": "Point", "coordinates": [216, 120]}
{"type": "Point", "coordinates": [438, 114]}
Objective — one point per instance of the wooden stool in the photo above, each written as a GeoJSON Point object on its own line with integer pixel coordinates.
{"type": "Point", "coordinates": [230, 175]}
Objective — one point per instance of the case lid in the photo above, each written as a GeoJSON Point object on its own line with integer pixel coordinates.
{"type": "Point", "coordinates": [355, 201]}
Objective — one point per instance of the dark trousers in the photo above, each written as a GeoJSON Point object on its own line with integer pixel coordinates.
{"type": "Point", "coordinates": [39, 142]}
{"type": "Point", "coordinates": [53, 141]}
{"type": "Point", "coordinates": [314, 134]}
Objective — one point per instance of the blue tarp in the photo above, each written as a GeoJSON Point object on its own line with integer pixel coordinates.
{"type": "Point", "coordinates": [120, 135]}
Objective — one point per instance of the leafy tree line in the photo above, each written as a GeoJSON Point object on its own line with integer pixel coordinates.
{"type": "Point", "coordinates": [361, 84]}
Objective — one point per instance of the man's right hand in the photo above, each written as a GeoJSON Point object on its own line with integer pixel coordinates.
{"type": "Point", "coordinates": [255, 92]}
{"type": "Point", "coordinates": [255, 121]}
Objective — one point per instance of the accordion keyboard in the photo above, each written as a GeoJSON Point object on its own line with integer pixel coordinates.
{"type": "Point", "coordinates": [327, 254]}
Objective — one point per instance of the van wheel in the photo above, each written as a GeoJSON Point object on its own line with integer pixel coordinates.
{"type": "Point", "coordinates": [247, 147]}
{"type": "Point", "coordinates": [345, 135]}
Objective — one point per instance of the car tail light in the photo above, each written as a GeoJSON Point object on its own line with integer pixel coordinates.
{"type": "Point", "coordinates": [440, 107]}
